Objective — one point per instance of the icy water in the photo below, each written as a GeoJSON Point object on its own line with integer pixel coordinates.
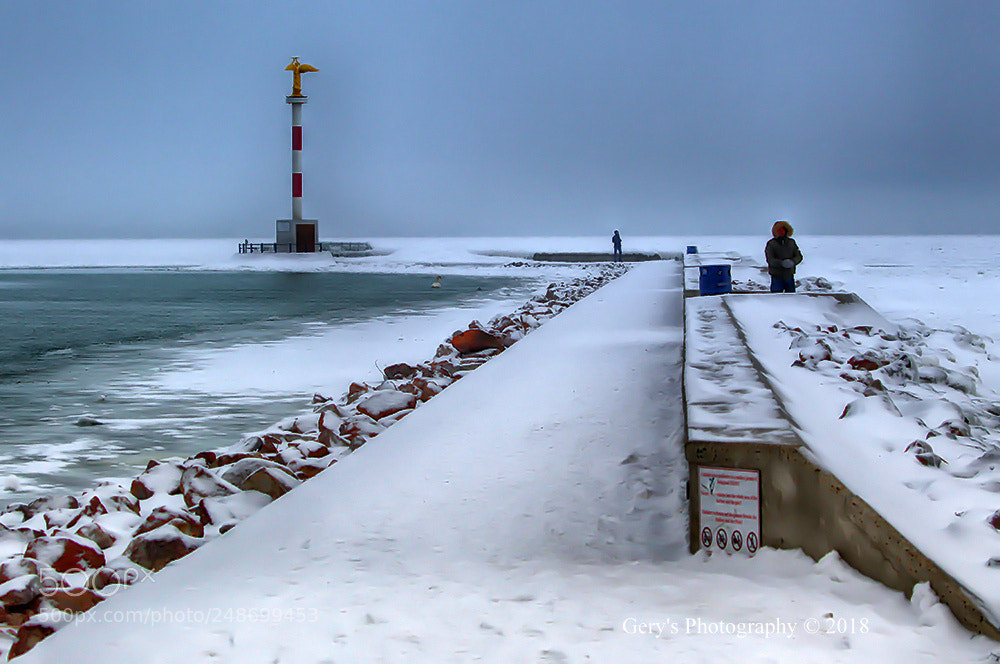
{"type": "Point", "coordinates": [171, 362]}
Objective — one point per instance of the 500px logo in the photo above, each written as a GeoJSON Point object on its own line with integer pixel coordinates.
{"type": "Point", "coordinates": [78, 582]}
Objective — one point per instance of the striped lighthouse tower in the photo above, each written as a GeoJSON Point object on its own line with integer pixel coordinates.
{"type": "Point", "coordinates": [297, 234]}
{"type": "Point", "coordinates": [296, 103]}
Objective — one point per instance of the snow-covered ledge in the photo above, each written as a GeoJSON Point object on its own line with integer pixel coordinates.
{"type": "Point", "coordinates": [794, 387]}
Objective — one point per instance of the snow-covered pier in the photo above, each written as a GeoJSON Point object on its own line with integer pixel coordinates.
{"type": "Point", "coordinates": [535, 511]}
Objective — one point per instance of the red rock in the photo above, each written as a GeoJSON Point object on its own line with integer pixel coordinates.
{"type": "Point", "coordinates": [198, 483]}
{"type": "Point", "coordinates": [116, 575]}
{"type": "Point", "coordinates": [237, 473]}
{"type": "Point", "coordinates": [444, 350]}
{"type": "Point", "coordinates": [50, 503]}
{"type": "Point", "coordinates": [65, 553]}
{"type": "Point", "coordinates": [72, 600]}
{"type": "Point", "coordinates": [231, 509]}
{"type": "Point", "coordinates": [865, 363]}
{"type": "Point", "coordinates": [309, 468]}
{"type": "Point", "coordinates": [96, 534]}
{"type": "Point", "coordinates": [266, 444]}
{"type": "Point", "coordinates": [357, 429]}
{"type": "Point", "coordinates": [121, 502]}
{"type": "Point", "coordinates": [443, 368]}
{"type": "Point", "coordinates": [289, 455]}
{"type": "Point", "coordinates": [473, 340]}
{"type": "Point", "coordinates": [355, 391]}
{"type": "Point", "coordinates": [29, 636]}
{"type": "Point", "coordinates": [818, 352]}
{"type": "Point", "coordinates": [140, 489]}
{"type": "Point", "coordinates": [158, 477]}
{"type": "Point", "coordinates": [91, 509]}
{"type": "Point", "coordinates": [16, 615]}
{"type": "Point", "coordinates": [312, 449]}
{"type": "Point", "coordinates": [20, 590]}
{"type": "Point", "coordinates": [429, 387]}
{"type": "Point", "coordinates": [229, 459]}
{"type": "Point", "coordinates": [383, 403]}
{"type": "Point", "coordinates": [156, 549]}
{"type": "Point", "coordinates": [334, 408]}
{"type": "Point", "coordinates": [183, 521]}
{"type": "Point", "coordinates": [211, 459]}
{"type": "Point", "coordinates": [994, 520]}
{"type": "Point", "coordinates": [270, 482]}
{"type": "Point", "coordinates": [15, 567]}
{"type": "Point", "coordinates": [399, 371]}
{"type": "Point", "coordinates": [58, 518]}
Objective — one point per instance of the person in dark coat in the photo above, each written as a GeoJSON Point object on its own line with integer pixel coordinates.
{"type": "Point", "coordinates": [782, 254]}
{"type": "Point", "coordinates": [616, 242]}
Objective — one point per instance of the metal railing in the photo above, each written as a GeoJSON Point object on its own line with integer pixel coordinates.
{"type": "Point", "coordinates": [247, 247]}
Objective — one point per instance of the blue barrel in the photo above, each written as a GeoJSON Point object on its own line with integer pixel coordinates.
{"type": "Point", "coordinates": [692, 249]}
{"type": "Point", "coordinates": [714, 279]}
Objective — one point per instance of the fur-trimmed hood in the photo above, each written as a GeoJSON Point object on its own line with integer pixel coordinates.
{"type": "Point", "coordinates": [781, 224]}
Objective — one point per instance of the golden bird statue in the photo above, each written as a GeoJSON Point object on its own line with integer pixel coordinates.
{"type": "Point", "coordinates": [297, 68]}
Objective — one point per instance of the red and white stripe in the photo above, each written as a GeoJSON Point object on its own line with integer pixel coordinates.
{"type": "Point", "coordinates": [296, 160]}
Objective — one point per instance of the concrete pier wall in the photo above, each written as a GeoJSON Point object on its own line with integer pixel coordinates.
{"type": "Point", "coordinates": [801, 505]}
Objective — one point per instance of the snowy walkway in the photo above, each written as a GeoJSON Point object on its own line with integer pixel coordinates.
{"type": "Point", "coordinates": [533, 512]}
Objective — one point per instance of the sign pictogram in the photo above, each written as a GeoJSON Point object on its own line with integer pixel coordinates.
{"type": "Point", "coordinates": [730, 509]}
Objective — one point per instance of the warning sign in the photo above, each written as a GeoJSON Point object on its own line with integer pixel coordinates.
{"type": "Point", "coordinates": [730, 509]}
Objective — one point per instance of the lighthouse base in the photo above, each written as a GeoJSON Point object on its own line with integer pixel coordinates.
{"type": "Point", "coordinates": [297, 236]}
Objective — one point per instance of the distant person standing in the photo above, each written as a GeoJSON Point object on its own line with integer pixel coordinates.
{"type": "Point", "coordinates": [782, 254]}
{"type": "Point", "coordinates": [616, 242]}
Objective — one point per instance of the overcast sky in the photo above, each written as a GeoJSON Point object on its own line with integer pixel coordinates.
{"type": "Point", "coordinates": [473, 117]}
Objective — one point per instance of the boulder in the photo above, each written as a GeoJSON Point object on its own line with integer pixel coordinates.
{"type": "Point", "coordinates": [159, 477]}
{"type": "Point", "coordinates": [49, 503]}
{"type": "Point", "coordinates": [309, 468]}
{"type": "Point", "coordinates": [265, 444]}
{"type": "Point", "coordinates": [72, 600]}
{"type": "Point", "coordinates": [120, 501]}
{"type": "Point", "coordinates": [16, 567]}
{"type": "Point", "coordinates": [116, 575]}
{"type": "Point", "coordinates": [231, 509]}
{"type": "Point", "coordinates": [399, 371]}
{"type": "Point", "coordinates": [443, 368]}
{"type": "Point", "coordinates": [16, 615]}
{"type": "Point", "coordinates": [312, 449]}
{"type": "Point", "coordinates": [355, 391]}
{"type": "Point", "coordinates": [156, 549]}
{"type": "Point", "coordinates": [59, 518]}
{"type": "Point", "coordinates": [357, 429]}
{"type": "Point", "coordinates": [211, 459]}
{"type": "Point", "coordinates": [28, 636]}
{"type": "Point", "coordinates": [383, 403]}
{"type": "Point", "coordinates": [20, 590]}
{"type": "Point", "coordinates": [65, 553]}
{"type": "Point", "coordinates": [96, 534]}
{"type": "Point", "coordinates": [179, 519]}
{"type": "Point", "coordinates": [237, 473]}
{"type": "Point", "coordinates": [198, 483]}
{"type": "Point", "coordinates": [304, 423]}
{"type": "Point", "coordinates": [473, 340]}
{"type": "Point", "coordinates": [429, 387]}
{"type": "Point", "coordinates": [271, 482]}
{"type": "Point", "coordinates": [288, 455]}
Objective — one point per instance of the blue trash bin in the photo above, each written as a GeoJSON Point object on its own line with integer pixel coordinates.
{"type": "Point", "coordinates": [714, 279]}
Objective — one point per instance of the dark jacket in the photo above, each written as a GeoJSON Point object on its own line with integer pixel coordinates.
{"type": "Point", "coordinates": [780, 248]}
